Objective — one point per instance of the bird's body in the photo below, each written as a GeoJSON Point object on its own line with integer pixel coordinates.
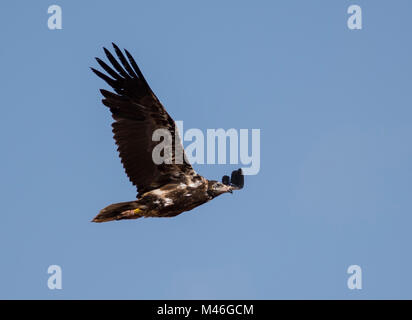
{"type": "Point", "coordinates": [166, 189]}
{"type": "Point", "coordinates": [167, 201]}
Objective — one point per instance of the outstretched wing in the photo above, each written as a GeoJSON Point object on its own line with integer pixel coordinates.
{"type": "Point", "coordinates": [138, 113]}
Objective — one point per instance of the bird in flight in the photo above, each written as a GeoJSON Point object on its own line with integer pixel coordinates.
{"type": "Point", "coordinates": [165, 189]}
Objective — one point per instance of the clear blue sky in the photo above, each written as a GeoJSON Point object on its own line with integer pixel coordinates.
{"type": "Point", "coordinates": [334, 107]}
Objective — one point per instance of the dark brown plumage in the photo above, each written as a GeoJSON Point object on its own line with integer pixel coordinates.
{"type": "Point", "coordinates": [164, 190]}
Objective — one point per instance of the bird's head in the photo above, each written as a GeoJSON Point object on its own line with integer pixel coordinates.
{"type": "Point", "coordinates": [235, 182]}
{"type": "Point", "coordinates": [216, 188]}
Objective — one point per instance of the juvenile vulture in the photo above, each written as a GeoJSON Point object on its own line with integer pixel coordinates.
{"type": "Point", "coordinates": [164, 190]}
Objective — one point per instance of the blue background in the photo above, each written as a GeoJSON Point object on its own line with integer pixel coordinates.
{"type": "Point", "coordinates": [334, 189]}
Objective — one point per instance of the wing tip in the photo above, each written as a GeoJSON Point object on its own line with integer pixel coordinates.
{"type": "Point", "coordinates": [237, 179]}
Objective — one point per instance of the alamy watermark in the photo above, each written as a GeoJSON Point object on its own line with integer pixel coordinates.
{"type": "Point", "coordinates": [54, 282]}
{"type": "Point", "coordinates": [216, 140]}
{"type": "Point", "coordinates": [355, 278]}
{"type": "Point", "coordinates": [55, 20]}
{"type": "Point", "coordinates": [355, 19]}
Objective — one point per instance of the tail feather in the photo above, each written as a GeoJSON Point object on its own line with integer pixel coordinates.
{"type": "Point", "coordinates": [118, 211]}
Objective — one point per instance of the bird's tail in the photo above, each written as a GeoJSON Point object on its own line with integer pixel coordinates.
{"type": "Point", "coordinates": [119, 211]}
